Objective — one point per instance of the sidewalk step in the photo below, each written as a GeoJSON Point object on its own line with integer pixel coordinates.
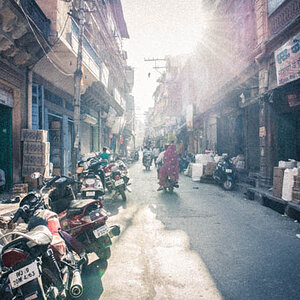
{"type": "Point", "coordinates": [265, 198]}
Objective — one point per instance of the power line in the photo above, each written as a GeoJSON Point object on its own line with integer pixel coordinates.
{"type": "Point", "coordinates": [37, 39]}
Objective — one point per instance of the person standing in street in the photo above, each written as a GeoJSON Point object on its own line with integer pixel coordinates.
{"type": "Point", "coordinates": [2, 180]}
{"type": "Point", "coordinates": [155, 155]}
{"type": "Point", "coordinates": [105, 155]}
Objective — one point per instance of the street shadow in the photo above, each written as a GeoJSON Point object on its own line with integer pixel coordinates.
{"type": "Point", "coordinates": [169, 197]}
{"type": "Point", "coordinates": [113, 205]}
{"type": "Point", "coordinates": [91, 280]}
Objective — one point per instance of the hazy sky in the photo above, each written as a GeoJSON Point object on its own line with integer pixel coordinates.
{"type": "Point", "coordinates": [158, 28]}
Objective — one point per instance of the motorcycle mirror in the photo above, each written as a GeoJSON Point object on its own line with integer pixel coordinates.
{"type": "Point", "coordinates": [35, 175]}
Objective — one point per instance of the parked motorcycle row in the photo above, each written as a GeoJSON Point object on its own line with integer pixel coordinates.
{"type": "Point", "coordinates": [65, 221]}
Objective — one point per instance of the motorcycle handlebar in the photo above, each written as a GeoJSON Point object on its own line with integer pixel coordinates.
{"type": "Point", "coordinates": [17, 215]}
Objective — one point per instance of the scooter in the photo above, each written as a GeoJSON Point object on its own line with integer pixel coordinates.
{"type": "Point", "coordinates": [224, 174]}
{"type": "Point", "coordinates": [91, 184]}
{"type": "Point", "coordinates": [147, 159]}
{"type": "Point", "coordinates": [30, 268]}
{"type": "Point", "coordinates": [171, 185]}
{"type": "Point", "coordinates": [85, 220]}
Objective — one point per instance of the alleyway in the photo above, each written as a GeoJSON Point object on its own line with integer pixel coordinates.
{"type": "Point", "coordinates": [199, 243]}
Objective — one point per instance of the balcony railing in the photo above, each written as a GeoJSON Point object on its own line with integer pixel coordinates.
{"type": "Point", "coordinates": [285, 14]}
{"type": "Point", "coordinates": [37, 16]}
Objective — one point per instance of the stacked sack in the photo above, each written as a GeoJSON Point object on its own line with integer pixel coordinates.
{"type": "Point", "coordinates": [290, 170]}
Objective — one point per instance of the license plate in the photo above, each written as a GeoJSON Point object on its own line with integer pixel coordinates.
{"type": "Point", "coordinates": [103, 230]}
{"type": "Point", "coordinates": [228, 171]}
{"type": "Point", "coordinates": [119, 182]}
{"type": "Point", "coordinates": [90, 194]}
{"type": "Point", "coordinates": [23, 275]}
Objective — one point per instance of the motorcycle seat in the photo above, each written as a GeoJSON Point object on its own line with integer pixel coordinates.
{"type": "Point", "coordinates": [41, 234]}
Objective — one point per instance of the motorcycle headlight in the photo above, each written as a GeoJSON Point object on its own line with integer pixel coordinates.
{"type": "Point", "coordinates": [90, 181]}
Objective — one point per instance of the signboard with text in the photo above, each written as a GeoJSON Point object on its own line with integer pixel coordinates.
{"type": "Point", "coordinates": [287, 59]}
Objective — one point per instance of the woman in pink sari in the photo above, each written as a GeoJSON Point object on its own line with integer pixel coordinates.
{"type": "Point", "coordinates": [170, 167]}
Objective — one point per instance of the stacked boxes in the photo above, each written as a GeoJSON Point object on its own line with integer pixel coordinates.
{"type": "Point", "coordinates": [278, 175]}
{"type": "Point", "coordinates": [210, 168]}
{"type": "Point", "coordinates": [36, 151]}
{"type": "Point", "coordinates": [296, 190]}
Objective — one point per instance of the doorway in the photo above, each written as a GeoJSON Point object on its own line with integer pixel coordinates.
{"type": "Point", "coordinates": [6, 143]}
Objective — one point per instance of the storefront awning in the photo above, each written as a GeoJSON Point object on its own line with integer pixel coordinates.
{"type": "Point", "coordinates": [97, 96]}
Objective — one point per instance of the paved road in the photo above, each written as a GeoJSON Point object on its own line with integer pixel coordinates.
{"type": "Point", "coordinates": [199, 243]}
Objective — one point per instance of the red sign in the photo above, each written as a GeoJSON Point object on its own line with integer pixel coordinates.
{"type": "Point", "coordinates": [110, 135]}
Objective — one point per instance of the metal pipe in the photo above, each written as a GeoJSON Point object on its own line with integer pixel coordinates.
{"type": "Point", "coordinates": [76, 288]}
{"type": "Point", "coordinates": [29, 99]}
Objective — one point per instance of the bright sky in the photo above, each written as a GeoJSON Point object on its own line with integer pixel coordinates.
{"type": "Point", "coordinates": [158, 28]}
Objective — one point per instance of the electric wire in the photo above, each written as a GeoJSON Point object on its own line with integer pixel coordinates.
{"type": "Point", "coordinates": [37, 39]}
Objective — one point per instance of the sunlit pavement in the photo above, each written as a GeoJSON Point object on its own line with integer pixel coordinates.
{"type": "Point", "coordinates": [198, 243]}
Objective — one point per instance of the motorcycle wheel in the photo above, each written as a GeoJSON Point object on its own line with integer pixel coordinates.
{"type": "Point", "coordinates": [103, 254]}
{"type": "Point", "coordinates": [123, 195]}
{"type": "Point", "coordinates": [228, 185]}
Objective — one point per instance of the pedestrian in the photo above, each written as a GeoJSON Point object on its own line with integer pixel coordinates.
{"type": "Point", "coordinates": [2, 180]}
{"type": "Point", "coordinates": [105, 156]}
{"type": "Point", "coordinates": [155, 155]}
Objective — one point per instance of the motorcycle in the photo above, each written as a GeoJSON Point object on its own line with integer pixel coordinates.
{"type": "Point", "coordinates": [224, 174]}
{"type": "Point", "coordinates": [171, 185]}
{"type": "Point", "coordinates": [91, 184]}
{"type": "Point", "coordinates": [39, 264]}
{"type": "Point", "coordinates": [117, 179]}
{"type": "Point", "coordinates": [84, 220]}
{"type": "Point", "coordinates": [147, 159]}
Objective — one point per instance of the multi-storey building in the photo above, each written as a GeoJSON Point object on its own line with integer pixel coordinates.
{"type": "Point", "coordinates": [39, 47]}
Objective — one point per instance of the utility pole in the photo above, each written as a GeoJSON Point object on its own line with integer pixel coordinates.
{"type": "Point", "coordinates": [77, 86]}
{"type": "Point", "coordinates": [156, 66]}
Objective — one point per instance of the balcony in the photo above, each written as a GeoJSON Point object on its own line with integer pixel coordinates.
{"type": "Point", "coordinates": [18, 44]}
{"type": "Point", "coordinates": [37, 16]}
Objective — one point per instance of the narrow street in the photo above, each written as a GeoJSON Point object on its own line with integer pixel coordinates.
{"type": "Point", "coordinates": [198, 243]}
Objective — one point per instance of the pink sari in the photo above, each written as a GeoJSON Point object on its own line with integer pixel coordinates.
{"type": "Point", "coordinates": [170, 167]}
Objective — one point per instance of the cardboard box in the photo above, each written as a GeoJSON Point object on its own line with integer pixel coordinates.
{"type": "Point", "coordinates": [277, 192]}
{"type": "Point", "coordinates": [56, 172]}
{"type": "Point", "coordinates": [20, 188]}
{"type": "Point", "coordinates": [34, 135]}
{"type": "Point", "coordinates": [36, 148]}
{"type": "Point", "coordinates": [55, 125]}
{"type": "Point", "coordinates": [296, 197]}
{"type": "Point", "coordinates": [278, 172]}
{"type": "Point", "coordinates": [210, 168]}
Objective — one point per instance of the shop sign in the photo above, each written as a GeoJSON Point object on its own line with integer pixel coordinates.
{"type": "Point", "coordinates": [262, 131]}
{"type": "Point", "coordinates": [6, 98]}
{"type": "Point", "coordinates": [293, 100]}
{"type": "Point", "coordinates": [287, 60]}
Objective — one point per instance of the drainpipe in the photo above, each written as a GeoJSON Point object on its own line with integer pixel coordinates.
{"type": "Point", "coordinates": [29, 98]}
